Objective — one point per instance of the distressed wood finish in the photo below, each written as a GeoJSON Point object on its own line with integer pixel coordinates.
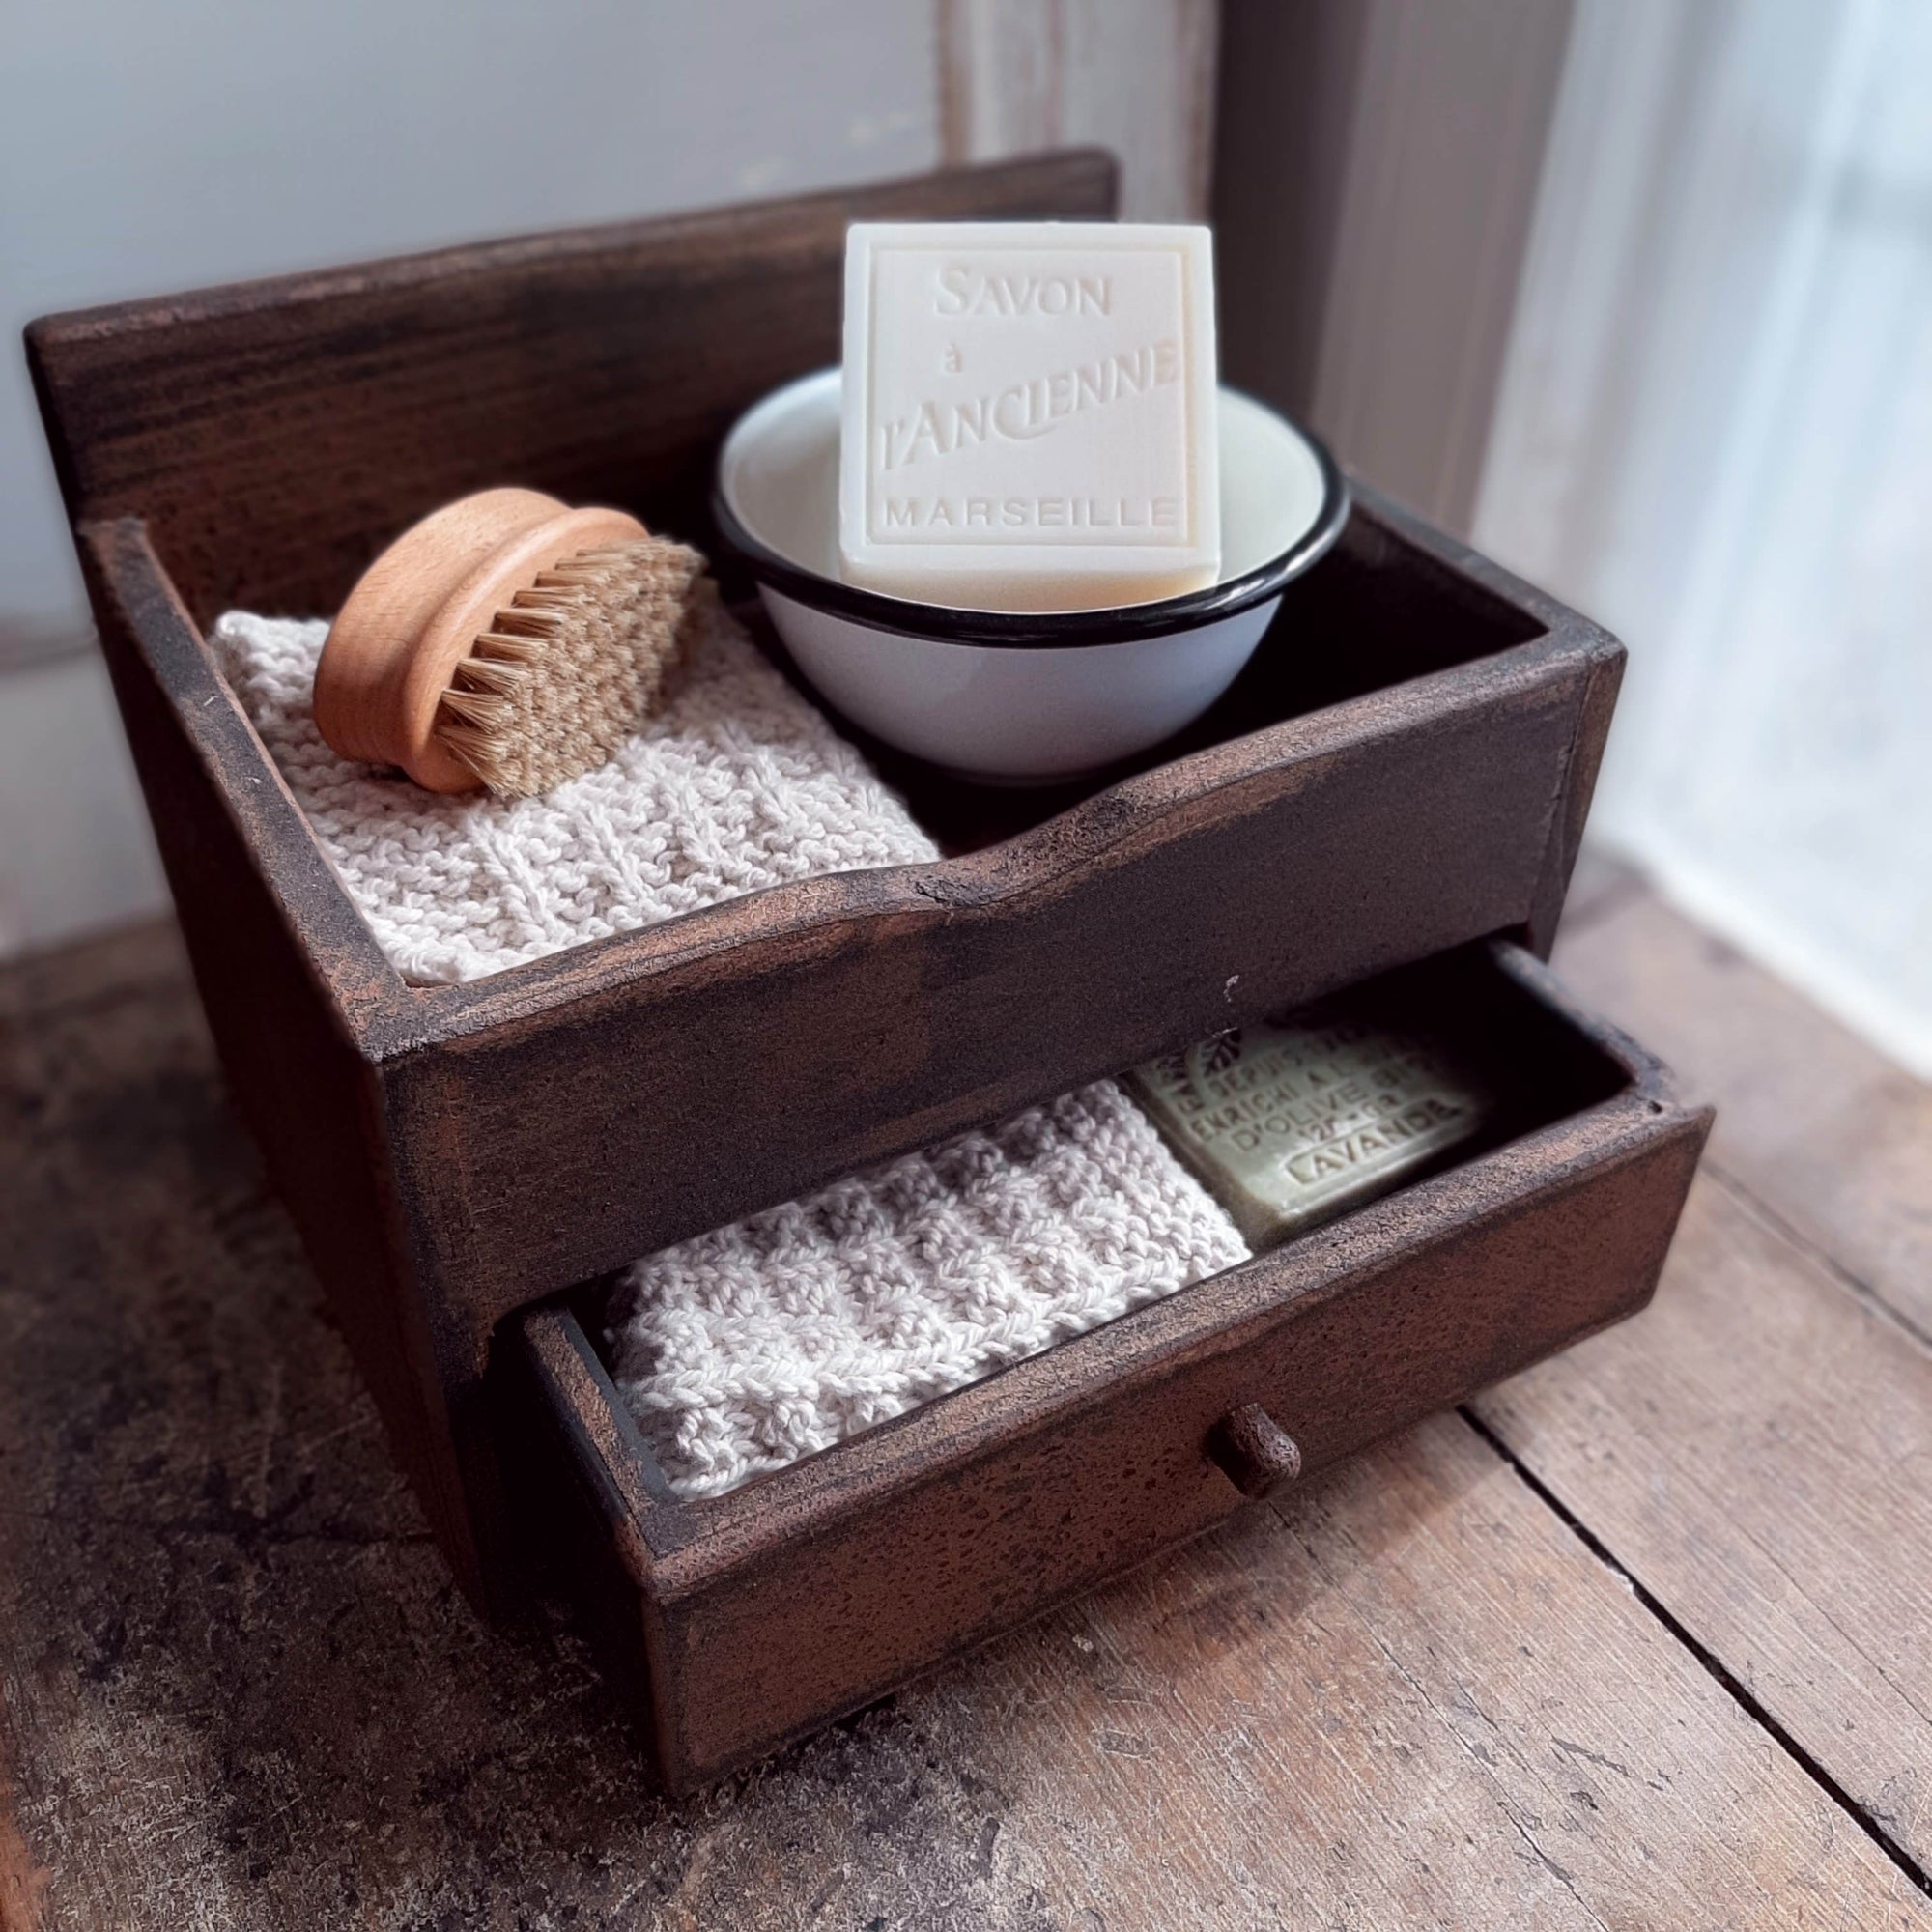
{"type": "Point", "coordinates": [235, 1687]}
{"type": "Point", "coordinates": [1404, 768]}
{"type": "Point", "coordinates": [1769, 1512]}
{"type": "Point", "coordinates": [268, 439]}
{"type": "Point", "coordinates": [1756, 1453]}
{"type": "Point", "coordinates": [954, 1523]}
{"type": "Point", "coordinates": [274, 435]}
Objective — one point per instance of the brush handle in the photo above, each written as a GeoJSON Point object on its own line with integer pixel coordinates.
{"type": "Point", "coordinates": [416, 612]}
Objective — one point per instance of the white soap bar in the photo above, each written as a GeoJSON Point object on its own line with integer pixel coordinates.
{"type": "Point", "coordinates": [1029, 413]}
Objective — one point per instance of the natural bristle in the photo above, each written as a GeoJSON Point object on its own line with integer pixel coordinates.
{"type": "Point", "coordinates": [571, 667]}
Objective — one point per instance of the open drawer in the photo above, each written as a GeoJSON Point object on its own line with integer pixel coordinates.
{"type": "Point", "coordinates": [736, 1623]}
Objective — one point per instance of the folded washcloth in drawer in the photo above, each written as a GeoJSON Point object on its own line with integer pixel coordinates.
{"type": "Point", "coordinates": [739, 782]}
{"type": "Point", "coordinates": [743, 1350]}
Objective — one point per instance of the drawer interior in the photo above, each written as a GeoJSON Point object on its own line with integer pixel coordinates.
{"type": "Point", "coordinates": [739, 1622]}
{"type": "Point", "coordinates": [1493, 1016]}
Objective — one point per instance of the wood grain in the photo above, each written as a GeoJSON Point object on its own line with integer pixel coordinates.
{"type": "Point", "coordinates": [1755, 1452]}
{"type": "Point", "coordinates": [277, 434]}
{"type": "Point", "coordinates": [1419, 1702]}
{"type": "Point", "coordinates": [1755, 1449]}
{"type": "Point", "coordinates": [239, 1688]}
{"type": "Point", "coordinates": [863, 1014]}
{"type": "Point", "coordinates": [1815, 1123]}
{"type": "Point", "coordinates": [23, 1880]}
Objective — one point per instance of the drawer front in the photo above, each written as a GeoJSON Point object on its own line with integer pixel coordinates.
{"type": "Point", "coordinates": [747, 1621]}
{"type": "Point", "coordinates": [896, 1019]}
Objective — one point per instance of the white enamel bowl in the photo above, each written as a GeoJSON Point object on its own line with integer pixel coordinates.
{"type": "Point", "coordinates": [1005, 696]}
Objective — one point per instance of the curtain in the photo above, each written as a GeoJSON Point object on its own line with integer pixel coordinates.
{"type": "Point", "coordinates": [1713, 433]}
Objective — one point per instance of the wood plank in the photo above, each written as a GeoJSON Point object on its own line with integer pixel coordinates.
{"type": "Point", "coordinates": [274, 435]}
{"type": "Point", "coordinates": [1816, 1124]}
{"type": "Point", "coordinates": [107, 967]}
{"type": "Point", "coordinates": [237, 1685]}
{"type": "Point", "coordinates": [1424, 1703]}
{"type": "Point", "coordinates": [1753, 1450]}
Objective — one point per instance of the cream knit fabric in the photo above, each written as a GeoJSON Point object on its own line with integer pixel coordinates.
{"type": "Point", "coordinates": [746, 1349]}
{"type": "Point", "coordinates": [738, 783]}
{"type": "Point", "coordinates": [743, 1350]}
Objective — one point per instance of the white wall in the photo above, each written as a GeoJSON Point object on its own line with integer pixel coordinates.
{"type": "Point", "coordinates": [145, 148]}
{"type": "Point", "coordinates": [1715, 435]}
{"type": "Point", "coordinates": [1650, 305]}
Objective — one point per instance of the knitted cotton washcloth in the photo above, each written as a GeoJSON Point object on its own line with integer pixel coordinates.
{"type": "Point", "coordinates": [739, 782]}
{"type": "Point", "coordinates": [741, 1351]}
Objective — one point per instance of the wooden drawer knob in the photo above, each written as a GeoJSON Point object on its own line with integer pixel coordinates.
{"type": "Point", "coordinates": [1253, 1451]}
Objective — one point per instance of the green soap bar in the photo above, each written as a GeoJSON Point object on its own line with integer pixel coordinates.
{"type": "Point", "coordinates": [1290, 1121]}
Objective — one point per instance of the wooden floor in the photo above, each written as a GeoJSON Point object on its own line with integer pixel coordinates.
{"type": "Point", "coordinates": [1643, 1639]}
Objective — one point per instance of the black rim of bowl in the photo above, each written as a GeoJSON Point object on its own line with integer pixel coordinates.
{"type": "Point", "coordinates": [1055, 629]}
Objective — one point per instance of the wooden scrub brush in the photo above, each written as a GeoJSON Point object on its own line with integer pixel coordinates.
{"type": "Point", "coordinates": [506, 642]}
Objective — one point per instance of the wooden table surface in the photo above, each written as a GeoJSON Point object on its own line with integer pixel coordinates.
{"type": "Point", "coordinates": [1641, 1639]}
